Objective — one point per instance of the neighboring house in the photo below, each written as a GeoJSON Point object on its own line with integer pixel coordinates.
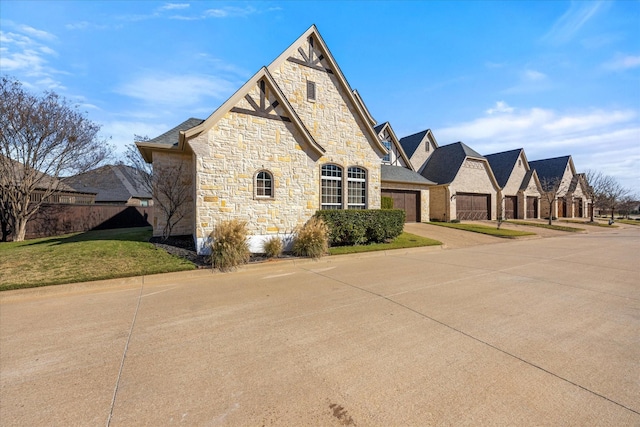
{"type": "Point", "coordinates": [293, 139]}
{"type": "Point", "coordinates": [419, 147]}
{"type": "Point", "coordinates": [571, 198]}
{"type": "Point", "coordinates": [408, 189]}
{"type": "Point", "coordinates": [114, 185]}
{"type": "Point", "coordinates": [519, 195]}
{"type": "Point", "coordinates": [465, 189]}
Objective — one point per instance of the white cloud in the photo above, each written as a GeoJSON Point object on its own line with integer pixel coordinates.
{"type": "Point", "coordinates": [570, 23]}
{"type": "Point", "coordinates": [623, 62]}
{"type": "Point", "coordinates": [121, 132]}
{"type": "Point", "coordinates": [39, 34]}
{"type": "Point", "coordinates": [230, 11]}
{"type": "Point", "coordinates": [533, 75]}
{"type": "Point", "coordinates": [606, 140]}
{"type": "Point", "coordinates": [176, 90]}
{"type": "Point", "coordinates": [175, 6]}
{"type": "Point", "coordinates": [500, 107]}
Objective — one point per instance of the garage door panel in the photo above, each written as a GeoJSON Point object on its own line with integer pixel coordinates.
{"type": "Point", "coordinates": [472, 207]}
{"type": "Point", "coordinates": [409, 201]}
{"type": "Point", "coordinates": [510, 207]}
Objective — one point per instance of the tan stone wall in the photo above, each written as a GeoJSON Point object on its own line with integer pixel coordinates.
{"type": "Point", "coordinates": [424, 196]}
{"type": "Point", "coordinates": [473, 177]}
{"type": "Point", "coordinates": [421, 155]}
{"type": "Point", "coordinates": [512, 186]}
{"type": "Point", "coordinates": [168, 161]}
{"type": "Point", "coordinates": [439, 203]}
{"type": "Point", "coordinates": [231, 153]}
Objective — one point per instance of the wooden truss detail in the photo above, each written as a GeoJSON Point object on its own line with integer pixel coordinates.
{"type": "Point", "coordinates": [266, 108]}
{"type": "Point", "coordinates": [311, 60]}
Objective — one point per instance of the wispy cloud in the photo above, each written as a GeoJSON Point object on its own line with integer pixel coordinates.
{"type": "Point", "coordinates": [39, 34]}
{"type": "Point", "coordinates": [178, 91]}
{"type": "Point", "coordinates": [622, 62]}
{"type": "Point", "coordinates": [529, 81]}
{"type": "Point", "coordinates": [174, 6]}
{"type": "Point", "coordinates": [230, 11]}
{"type": "Point", "coordinates": [570, 23]}
{"type": "Point", "coordinates": [586, 135]}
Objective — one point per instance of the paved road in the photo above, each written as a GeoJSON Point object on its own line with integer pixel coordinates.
{"type": "Point", "coordinates": [533, 332]}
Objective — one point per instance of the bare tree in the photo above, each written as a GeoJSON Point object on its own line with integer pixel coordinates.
{"type": "Point", "coordinates": [551, 187]}
{"type": "Point", "coordinates": [171, 187]}
{"type": "Point", "coordinates": [6, 218]}
{"type": "Point", "coordinates": [42, 138]}
{"type": "Point", "coordinates": [605, 191]}
{"type": "Point", "coordinates": [627, 204]}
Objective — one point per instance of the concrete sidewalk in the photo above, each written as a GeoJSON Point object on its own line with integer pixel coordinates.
{"type": "Point", "coordinates": [542, 331]}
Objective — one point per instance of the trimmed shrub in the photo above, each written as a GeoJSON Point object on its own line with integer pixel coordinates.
{"type": "Point", "coordinates": [455, 221]}
{"type": "Point", "coordinates": [386, 202]}
{"type": "Point", "coordinates": [358, 227]}
{"type": "Point", "coordinates": [272, 247]}
{"type": "Point", "coordinates": [312, 239]}
{"type": "Point", "coordinates": [229, 247]}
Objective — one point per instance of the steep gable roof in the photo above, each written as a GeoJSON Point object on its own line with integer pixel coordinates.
{"type": "Point", "coordinates": [372, 121]}
{"type": "Point", "coordinates": [445, 162]}
{"type": "Point", "coordinates": [551, 169]}
{"type": "Point", "coordinates": [111, 183]}
{"type": "Point", "coordinates": [262, 75]}
{"type": "Point", "coordinates": [531, 174]}
{"type": "Point", "coordinates": [411, 143]}
{"type": "Point", "coordinates": [386, 126]}
{"type": "Point", "coordinates": [352, 96]}
{"type": "Point", "coordinates": [502, 164]}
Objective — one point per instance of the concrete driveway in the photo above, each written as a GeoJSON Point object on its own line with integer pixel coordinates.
{"type": "Point", "coordinates": [532, 332]}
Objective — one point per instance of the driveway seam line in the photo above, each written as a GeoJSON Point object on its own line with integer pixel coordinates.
{"type": "Point", "coordinates": [124, 355]}
{"type": "Point", "coordinates": [482, 342]}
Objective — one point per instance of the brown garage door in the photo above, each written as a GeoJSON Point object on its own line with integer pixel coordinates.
{"type": "Point", "coordinates": [532, 207]}
{"type": "Point", "coordinates": [562, 207]}
{"type": "Point", "coordinates": [409, 201]}
{"type": "Point", "coordinates": [510, 207]}
{"type": "Point", "coordinates": [577, 208]}
{"type": "Point", "coordinates": [473, 206]}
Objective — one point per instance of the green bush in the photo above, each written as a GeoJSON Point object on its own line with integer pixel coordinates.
{"type": "Point", "coordinates": [386, 202]}
{"type": "Point", "coordinates": [358, 227]}
{"type": "Point", "coordinates": [272, 247]}
{"type": "Point", "coordinates": [229, 247]}
{"type": "Point", "coordinates": [312, 239]}
{"type": "Point", "coordinates": [455, 221]}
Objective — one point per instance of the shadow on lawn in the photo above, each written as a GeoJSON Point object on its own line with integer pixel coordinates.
{"type": "Point", "coordinates": [134, 234]}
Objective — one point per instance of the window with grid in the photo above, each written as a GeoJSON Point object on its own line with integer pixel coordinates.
{"type": "Point", "coordinates": [331, 197]}
{"type": "Point", "coordinates": [387, 157]}
{"type": "Point", "coordinates": [357, 188]}
{"type": "Point", "coordinates": [264, 184]}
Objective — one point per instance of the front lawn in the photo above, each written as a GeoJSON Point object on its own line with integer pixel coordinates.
{"type": "Point", "coordinates": [628, 221]}
{"type": "Point", "coordinates": [81, 257]}
{"type": "Point", "coordinates": [545, 225]}
{"type": "Point", "coordinates": [405, 240]}
{"type": "Point", "coordinates": [478, 228]}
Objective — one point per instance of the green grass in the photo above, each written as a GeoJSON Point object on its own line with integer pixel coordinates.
{"type": "Point", "coordinates": [405, 240]}
{"type": "Point", "coordinates": [477, 228]}
{"type": "Point", "coordinates": [81, 257]}
{"type": "Point", "coordinates": [587, 222]}
{"type": "Point", "coordinates": [545, 225]}
{"type": "Point", "coordinates": [628, 221]}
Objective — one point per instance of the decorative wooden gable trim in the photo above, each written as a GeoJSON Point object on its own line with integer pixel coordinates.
{"type": "Point", "coordinates": [321, 48]}
{"type": "Point", "coordinates": [312, 58]}
{"type": "Point", "coordinates": [262, 110]}
{"type": "Point", "coordinates": [387, 132]}
{"type": "Point", "coordinates": [265, 108]}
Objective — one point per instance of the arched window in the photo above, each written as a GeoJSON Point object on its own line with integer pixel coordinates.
{"type": "Point", "coordinates": [331, 187]}
{"type": "Point", "coordinates": [264, 185]}
{"type": "Point", "coordinates": [357, 188]}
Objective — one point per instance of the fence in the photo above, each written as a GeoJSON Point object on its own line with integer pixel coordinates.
{"type": "Point", "coordinates": [56, 219]}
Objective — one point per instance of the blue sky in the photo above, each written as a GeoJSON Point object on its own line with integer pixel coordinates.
{"type": "Point", "coordinates": [552, 77]}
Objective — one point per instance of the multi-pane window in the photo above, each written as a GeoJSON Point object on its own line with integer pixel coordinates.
{"type": "Point", "coordinates": [331, 197]}
{"type": "Point", "coordinates": [357, 188]}
{"type": "Point", "coordinates": [264, 184]}
{"type": "Point", "coordinates": [387, 157]}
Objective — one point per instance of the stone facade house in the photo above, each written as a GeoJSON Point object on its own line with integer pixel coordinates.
{"type": "Point", "coordinates": [558, 175]}
{"type": "Point", "coordinates": [408, 189]}
{"type": "Point", "coordinates": [419, 147]}
{"type": "Point", "coordinates": [293, 139]}
{"type": "Point", "coordinates": [519, 196]}
{"type": "Point", "coordinates": [465, 187]}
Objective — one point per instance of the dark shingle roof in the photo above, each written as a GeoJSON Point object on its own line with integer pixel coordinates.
{"type": "Point", "coordinates": [400, 174]}
{"type": "Point", "coordinates": [443, 165]}
{"type": "Point", "coordinates": [170, 137]}
{"type": "Point", "coordinates": [410, 143]}
{"type": "Point", "coordinates": [502, 164]}
{"type": "Point", "coordinates": [550, 169]}
{"type": "Point", "coordinates": [526, 179]}
{"type": "Point", "coordinates": [379, 127]}
{"type": "Point", "coordinates": [112, 183]}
